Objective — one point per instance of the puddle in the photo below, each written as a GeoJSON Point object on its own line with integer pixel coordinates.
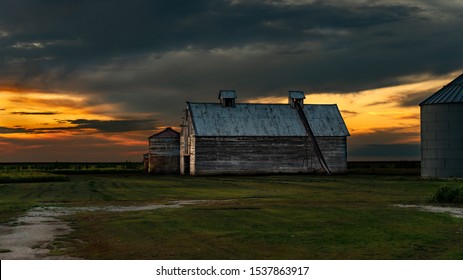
{"type": "Point", "coordinates": [30, 235]}
{"type": "Point", "coordinates": [453, 211]}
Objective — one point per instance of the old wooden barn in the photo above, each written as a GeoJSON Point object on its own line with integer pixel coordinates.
{"type": "Point", "coordinates": [240, 138]}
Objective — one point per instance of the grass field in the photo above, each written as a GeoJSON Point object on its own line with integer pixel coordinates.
{"type": "Point", "coordinates": [255, 217]}
{"type": "Point", "coordinates": [29, 176]}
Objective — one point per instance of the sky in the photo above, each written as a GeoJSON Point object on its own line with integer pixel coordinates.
{"type": "Point", "coordinates": [84, 80]}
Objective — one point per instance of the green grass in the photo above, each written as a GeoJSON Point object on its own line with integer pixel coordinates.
{"type": "Point", "coordinates": [255, 217]}
{"type": "Point", "coordinates": [29, 176]}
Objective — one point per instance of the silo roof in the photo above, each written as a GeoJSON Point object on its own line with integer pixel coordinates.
{"type": "Point", "coordinates": [211, 119]}
{"type": "Point", "coordinates": [451, 93]}
{"type": "Point", "coordinates": [166, 133]}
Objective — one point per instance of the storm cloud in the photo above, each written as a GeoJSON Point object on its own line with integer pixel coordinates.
{"type": "Point", "coordinates": [148, 57]}
{"type": "Point", "coordinates": [136, 50]}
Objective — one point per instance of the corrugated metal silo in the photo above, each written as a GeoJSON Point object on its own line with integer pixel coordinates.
{"type": "Point", "coordinates": [442, 132]}
{"type": "Point", "coordinates": [164, 152]}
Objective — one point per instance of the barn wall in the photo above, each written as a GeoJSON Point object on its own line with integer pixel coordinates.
{"type": "Point", "coordinates": [164, 155]}
{"type": "Point", "coordinates": [263, 155]}
{"type": "Point", "coordinates": [442, 140]}
{"type": "Point", "coordinates": [164, 165]}
{"type": "Point", "coordinates": [334, 150]}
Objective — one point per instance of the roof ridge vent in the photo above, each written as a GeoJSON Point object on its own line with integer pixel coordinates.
{"type": "Point", "coordinates": [296, 96]}
{"type": "Point", "coordinates": [227, 97]}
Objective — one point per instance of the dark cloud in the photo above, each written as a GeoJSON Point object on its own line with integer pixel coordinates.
{"type": "Point", "coordinates": [99, 126]}
{"type": "Point", "coordinates": [349, 113]}
{"type": "Point", "coordinates": [113, 125]}
{"type": "Point", "coordinates": [378, 103]}
{"type": "Point", "coordinates": [258, 46]}
{"type": "Point", "coordinates": [106, 28]}
{"type": "Point", "coordinates": [8, 130]}
{"type": "Point", "coordinates": [34, 113]}
{"type": "Point", "coordinates": [412, 100]}
{"type": "Point", "coordinates": [151, 56]}
{"type": "Point", "coordinates": [400, 134]}
{"type": "Point", "coordinates": [55, 102]}
{"type": "Point", "coordinates": [385, 144]}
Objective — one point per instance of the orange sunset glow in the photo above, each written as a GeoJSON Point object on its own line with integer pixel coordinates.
{"type": "Point", "coordinates": [379, 110]}
{"type": "Point", "coordinates": [44, 120]}
{"type": "Point", "coordinates": [35, 109]}
{"type": "Point", "coordinates": [34, 122]}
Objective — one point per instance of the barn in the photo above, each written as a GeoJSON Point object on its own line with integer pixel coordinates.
{"type": "Point", "coordinates": [164, 153]}
{"type": "Point", "coordinates": [442, 132]}
{"type": "Point", "coordinates": [242, 138]}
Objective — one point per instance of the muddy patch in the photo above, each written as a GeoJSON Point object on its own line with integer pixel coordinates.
{"type": "Point", "coordinates": [30, 236]}
{"type": "Point", "coordinates": [453, 211]}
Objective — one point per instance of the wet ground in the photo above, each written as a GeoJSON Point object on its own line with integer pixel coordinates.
{"type": "Point", "coordinates": [30, 236]}
{"type": "Point", "coordinates": [453, 211]}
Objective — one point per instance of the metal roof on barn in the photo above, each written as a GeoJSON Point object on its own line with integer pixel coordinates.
{"type": "Point", "coordinates": [210, 119]}
{"type": "Point", "coordinates": [451, 93]}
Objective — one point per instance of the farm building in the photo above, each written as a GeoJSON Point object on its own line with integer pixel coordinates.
{"type": "Point", "coordinates": [164, 153]}
{"type": "Point", "coordinates": [442, 132]}
{"type": "Point", "coordinates": [236, 138]}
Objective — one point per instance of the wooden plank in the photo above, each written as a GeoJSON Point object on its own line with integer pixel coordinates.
{"type": "Point", "coordinates": [261, 155]}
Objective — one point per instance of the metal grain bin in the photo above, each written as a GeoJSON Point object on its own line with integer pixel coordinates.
{"type": "Point", "coordinates": [442, 132]}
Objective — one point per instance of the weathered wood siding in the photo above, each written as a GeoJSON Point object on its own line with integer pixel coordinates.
{"type": "Point", "coordinates": [146, 163]}
{"type": "Point", "coordinates": [263, 155]}
{"type": "Point", "coordinates": [164, 165]}
{"type": "Point", "coordinates": [164, 155]}
{"type": "Point", "coordinates": [186, 138]}
{"type": "Point", "coordinates": [334, 149]}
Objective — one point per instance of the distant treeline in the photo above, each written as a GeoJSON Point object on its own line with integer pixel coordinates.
{"type": "Point", "coordinates": [354, 167]}
{"type": "Point", "coordinates": [73, 167]}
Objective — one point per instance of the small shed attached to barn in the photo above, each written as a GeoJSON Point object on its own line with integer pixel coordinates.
{"type": "Point", "coordinates": [442, 132]}
{"type": "Point", "coordinates": [240, 138]}
{"type": "Point", "coordinates": [164, 153]}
